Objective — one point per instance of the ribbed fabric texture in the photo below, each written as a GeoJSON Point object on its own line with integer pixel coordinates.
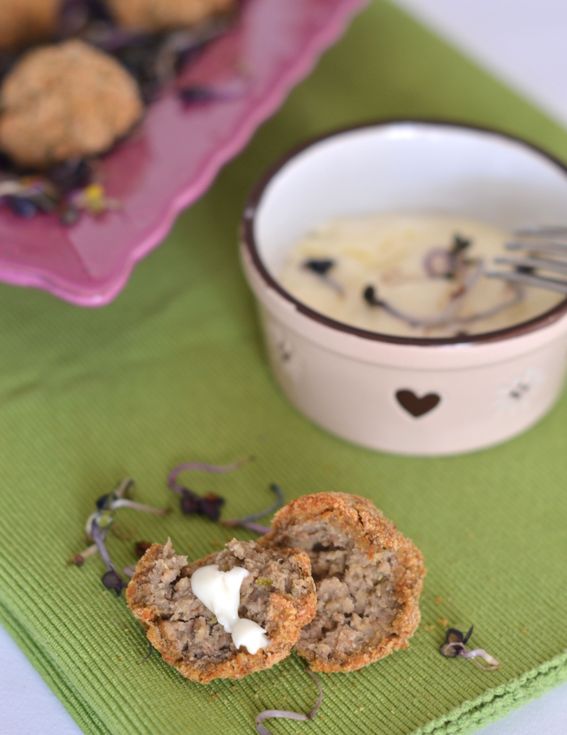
{"type": "Point", "coordinates": [174, 370]}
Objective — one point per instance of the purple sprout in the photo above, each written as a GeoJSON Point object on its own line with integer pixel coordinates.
{"type": "Point", "coordinates": [190, 502]}
{"type": "Point", "coordinates": [454, 646]}
{"type": "Point", "coordinates": [281, 714]}
{"type": "Point", "coordinates": [321, 268]}
{"type": "Point", "coordinates": [249, 521]}
{"type": "Point", "coordinates": [110, 579]}
{"type": "Point", "coordinates": [99, 524]}
{"type": "Point", "coordinates": [199, 94]}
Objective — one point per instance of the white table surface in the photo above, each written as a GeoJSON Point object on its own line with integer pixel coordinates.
{"type": "Point", "coordinates": [523, 41]}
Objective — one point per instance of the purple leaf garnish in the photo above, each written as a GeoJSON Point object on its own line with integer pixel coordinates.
{"type": "Point", "coordinates": [286, 714]}
{"type": "Point", "coordinates": [76, 173]}
{"type": "Point", "coordinates": [454, 646]}
{"type": "Point", "coordinates": [207, 505]}
{"type": "Point", "coordinates": [370, 295]}
{"type": "Point", "coordinates": [112, 581]}
{"type": "Point", "coordinates": [460, 244]}
{"type": "Point", "coordinates": [211, 505]}
{"type": "Point", "coordinates": [320, 266]}
{"type": "Point", "coordinates": [194, 94]}
{"type": "Point", "coordinates": [22, 206]}
{"type": "Point", "coordinates": [103, 501]}
{"type": "Point", "coordinates": [190, 502]}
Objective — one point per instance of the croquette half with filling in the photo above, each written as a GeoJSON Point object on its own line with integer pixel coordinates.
{"type": "Point", "coordinates": [368, 578]}
{"type": "Point", "coordinates": [278, 594]}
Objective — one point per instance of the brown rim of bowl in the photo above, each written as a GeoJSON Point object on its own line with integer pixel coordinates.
{"type": "Point", "coordinates": [249, 241]}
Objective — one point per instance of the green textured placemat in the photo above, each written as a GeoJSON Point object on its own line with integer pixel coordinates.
{"type": "Point", "coordinates": [174, 370]}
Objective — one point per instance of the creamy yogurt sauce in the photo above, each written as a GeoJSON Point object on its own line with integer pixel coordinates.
{"type": "Point", "coordinates": [220, 593]}
{"type": "Point", "coordinates": [363, 271]}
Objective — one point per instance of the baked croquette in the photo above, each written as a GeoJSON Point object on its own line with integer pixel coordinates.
{"type": "Point", "coordinates": [65, 101]}
{"type": "Point", "coordinates": [278, 594]}
{"type": "Point", "coordinates": [25, 21]}
{"type": "Point", "coordinates": [368, 578]}
{"type": "Point", "coordinates": [161, 15]}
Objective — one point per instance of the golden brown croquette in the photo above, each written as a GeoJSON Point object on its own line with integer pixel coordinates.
{"type": "Point", "coordinates": [24, 21]}
{"type": "Point", "coordinates": [278, 594]}
{"type": "Point", "coordinates": [368, 578]}
{"type": "Point", "coordinates": [65, 101]}
{"type": "Point", "coordinates": [159, 15]}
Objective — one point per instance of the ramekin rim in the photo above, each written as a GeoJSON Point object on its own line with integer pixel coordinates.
{"type": "Point", "coordinates": [254, 200]}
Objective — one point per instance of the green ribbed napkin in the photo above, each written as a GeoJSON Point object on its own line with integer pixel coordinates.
{"type": "Point", "coordinates": [174, 370]}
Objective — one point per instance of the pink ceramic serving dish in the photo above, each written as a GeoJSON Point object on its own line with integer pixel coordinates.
{"type": "Point", "coordinates": [173, 158]}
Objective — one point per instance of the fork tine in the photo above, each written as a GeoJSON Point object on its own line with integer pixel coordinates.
{"type": "Point", "coordinates": [542, 231]}
{"type": "Point", "coordinates": [556, 266]}
{"type": "Point", "coordinates": [549, 284]}
{"type": "Point", "coordinates": [553, 248]}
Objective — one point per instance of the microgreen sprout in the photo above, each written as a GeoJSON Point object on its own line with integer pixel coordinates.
{"type": "Point", "coordinates": [270, 714]}
{"type": "Point", "coordinates": [99, 524]}
{"type": "Point", "coordinates": [249, 521]}
{"type": "Point", "coordinates": [469, 276]}
{"type": "Point", "coordinates": [209, 505]}
{"type": "Point", "coordinates": [110, 579]}
{"type": "Point", "coordinates": [321, 268]}
{"type": "Point", "coordinates": [460, 244]}
{"type": "Point", "coordinates": [194, 94]}
{"type": "Point", "coordinates": [454, 646]}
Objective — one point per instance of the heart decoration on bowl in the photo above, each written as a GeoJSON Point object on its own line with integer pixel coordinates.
{"type": "Point", "coordinates": [415, 405]}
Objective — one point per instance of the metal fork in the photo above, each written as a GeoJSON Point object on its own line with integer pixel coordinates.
{"type": "Point", "coordinates": [540, 249]}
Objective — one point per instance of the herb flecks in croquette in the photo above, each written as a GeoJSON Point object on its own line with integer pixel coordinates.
{"type": "Point", "coordinates": [189, 636]}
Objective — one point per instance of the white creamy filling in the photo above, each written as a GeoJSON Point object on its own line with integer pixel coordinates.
{"type": "Point", "coordinates": [220, 593]}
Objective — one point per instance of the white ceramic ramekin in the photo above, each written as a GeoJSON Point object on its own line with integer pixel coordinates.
{"type": "Point", "coordinates": [404, 395]}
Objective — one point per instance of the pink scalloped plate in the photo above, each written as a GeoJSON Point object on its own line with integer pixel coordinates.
{"type": "Point", "coordinates": [175, 155]}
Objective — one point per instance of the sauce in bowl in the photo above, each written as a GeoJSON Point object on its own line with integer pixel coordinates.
{"type": "Point", "coordinates": [409, 275]}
